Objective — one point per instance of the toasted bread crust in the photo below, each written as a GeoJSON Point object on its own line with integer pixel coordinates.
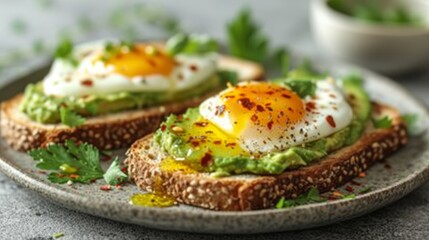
{"type": "Point", "coordinates": [249, 192]}
{"type": "Point", "coordinates": [110, 131]}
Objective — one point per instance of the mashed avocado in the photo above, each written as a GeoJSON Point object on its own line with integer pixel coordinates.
{"type": "Point", "coordinates": [196, 142]}
{"type": "Point", "coordinates": [46, 109]}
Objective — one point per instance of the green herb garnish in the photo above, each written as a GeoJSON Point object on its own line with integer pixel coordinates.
{"type": "Point", "coordinates": [112, 49]}
{"type": "Point", "coordinates": [227, 76]}
{"type": "Point", "coordinates": [191, 44]}
{"type": "Point", "coordinates": [114, 175]}
{"type": "Point", "coordinates": [57, 235]}
{"type": "Point", "coordinates": [349, 196]}
{"type": "Point", "coordinates": [410, 121]}
{"type": "Point", "coordinates": [64, 50]}
{"type": "Point", "coordinates": [384, 122]}
{"type": "Point", "coordinates": [69, 162]}
{"type": "Point", "coordinates": [303, 88]}
{"type": "Point", "coordinates": [245, 39]}
{"type": "Point", "coordinates": [281, 60]}
{"type": "Point", "coordinates": [312, 196]}
{"type": "Point", "coordinates": [365, 190]}
{"type": "Point", "coordinates": [70, 118]}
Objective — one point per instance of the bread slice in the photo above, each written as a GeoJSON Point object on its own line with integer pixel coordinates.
{"type": "Point", "coordinates": [249, 192]}
{"type": "Point", "coordinates": [107, 131]}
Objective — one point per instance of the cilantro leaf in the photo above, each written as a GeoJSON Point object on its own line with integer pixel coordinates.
{"type": "Point", "coordinates": [69, 162]}
{"type": "Point", "coordinates": [312, 196]}
{"type": "Point", "coordinates": [114, 174]}
{"type": "Point", "coordinates": [64, 50]}
{"type": "Point", "coordinates": [245, 39]}
{"type": "Point", "coordinates": [191, 44]}
{"type": "Point", "coordinates": [70, 118]}
{"type": "Point", "coordinates": [410, 121]}
{"type": "Point", "coordinates": [303, 88]}
{"type": "Point", "coordinates": [227, 76]}
{"type": "Point", "coordinates": [384, 122]}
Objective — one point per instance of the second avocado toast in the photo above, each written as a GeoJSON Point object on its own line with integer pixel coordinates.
{"type": "Point", "coordinates": [110, 93]}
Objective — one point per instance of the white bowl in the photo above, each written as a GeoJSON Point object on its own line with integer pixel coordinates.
{"type": "Point", "coordinates": [386, 49]}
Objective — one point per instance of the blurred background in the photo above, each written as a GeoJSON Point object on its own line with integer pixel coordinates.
{"type": "Point", "coordinates": [30, 29]}
{"type": "Point", "coordinates": [388, 36]}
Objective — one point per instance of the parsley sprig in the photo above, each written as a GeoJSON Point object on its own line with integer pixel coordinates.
{"type": "Point", "coordinates": [245, 38]}
{"type": "Point", "coordinates": [64, 50]}
{"type": "Point", "coordinates": [114, 174]}
{"type": "Point", "coordinates": [73, 162]}
{"type": "Point", "coordinates": [384, 122]}
{"type": "Point", "coordinates": [69, 162]}
{"type": "Point", "coordinates": [191, 44]}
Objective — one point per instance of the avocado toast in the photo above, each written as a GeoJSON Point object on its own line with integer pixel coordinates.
{"type": "Point", "coordinates": [179, 162]}
{"type": "Point", "coordinates": [110, 93]}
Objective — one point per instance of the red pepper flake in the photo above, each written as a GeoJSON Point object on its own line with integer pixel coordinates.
{"type": "Point", "coordinates": [331, 121]}
{"type": "Point", "coordinates": [387, 166]}
{"type": "Point", "coordinates": [206, 160]}
{"type": "Point", "coordinates": [362, 175]}
{"type": "Point", "coordinates": [151, 62]}
{"type": "Point", "coordinates": [230, 145]}
{"type": "Point", "coordinates": [92, 181]}
{"type": "Point", "coordinates": [286, 96]}
{"type": "Point", "coordinates": [270, 124]}
{"type": "Point", "coordinates": [349, 189]}
{"type": "Point", "coordinates": [124, 169]}
{"type": "Point", "coordinates": [270, 92]}
{"type": "Point", "coordinates": [310, 106]}
{"type": "Point", "coordinates": [73, 176]}
{"type": "Point", "coordinates": [163, 127]}
{"type": "Point", "coordinates": [217, 142]}
{"type": "Point", "coordinates": [201, 124]}
{"type": "Point", "coordinates": [246, 103]}
{"type": "Point", "coordinates": [193, 68]}
{"type": "Point", "coordinates": [105, 187]}
{"type": "Point", "coordinates": [219, 110]}
{"type": "Point", "coordinates": [87, 83]}
{"type": "Point", "coordinates": [332, 96]}
{"type": "Point", "coordinates": [355, 183]}
{"type": "Point", "coordinates": [118, 186]}
{"type": "Point", "coordinates": [254, 118]}
{"type": "Point", "coordinates": [195, 143]}
{"type": "Point", "coordinates": [259, 108]}
{"type": "Point", "coordinates": [42, 172]}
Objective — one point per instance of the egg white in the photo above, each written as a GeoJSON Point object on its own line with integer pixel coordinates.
{"type": "Point", "coordinates": [66, 80]}
{"type": "Point", "coordinates": [259, 139]}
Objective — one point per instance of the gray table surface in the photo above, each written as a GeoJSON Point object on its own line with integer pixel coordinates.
{"type": "Point", "coordinates": [25, 215]}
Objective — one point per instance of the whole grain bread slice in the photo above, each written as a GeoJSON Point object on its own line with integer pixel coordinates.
{"type": "Point", "coordinates": [249, 192]}
{"type": "Point", "coordinates": [110, 131]}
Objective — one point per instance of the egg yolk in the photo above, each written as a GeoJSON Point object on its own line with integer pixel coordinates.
{"type": "Point", "coordinates": [142, 60]}
{"type": "Point", "coordinates": [266, 105]}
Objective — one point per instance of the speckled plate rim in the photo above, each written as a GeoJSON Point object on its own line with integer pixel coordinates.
{"type": "Point", "coordinates": [160, 218]}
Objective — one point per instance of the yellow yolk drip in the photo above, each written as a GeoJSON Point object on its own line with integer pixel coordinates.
{"type": "Point", "coordinates": [264, 104]}
{"type": "Point", "coordinates": [142, 60]}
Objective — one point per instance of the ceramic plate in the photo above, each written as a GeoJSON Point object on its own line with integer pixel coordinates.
{"type": "Point", "coordinates": [399, 175]}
